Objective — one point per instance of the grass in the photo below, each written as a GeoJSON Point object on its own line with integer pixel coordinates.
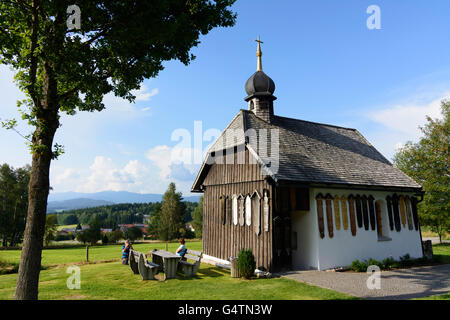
{"type": "Point", "coordinates": [445, 296]}
{"type": "Point", "coordinates": [54, 257]}
{"type": "Point", "coordinates": [67, 226]}
{"type": "Point", "coordinates": [106, 278]}
{"type": "Point", "coordinates": [106, 281]}
{"type": "Point", "coordinates": [427, 233]}
{"type": "Point", "coordinates": [442, 252]}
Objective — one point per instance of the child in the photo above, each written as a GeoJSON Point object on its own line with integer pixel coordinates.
{"type": "Point", "coordinates": [181, 251]}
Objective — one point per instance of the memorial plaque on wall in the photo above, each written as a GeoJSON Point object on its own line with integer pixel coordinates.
{"type": "Point", "coordinates": [401, 204]}
{"type": "Point", "coordinates": [328, 202]}
{"type": "Point", "coordinates": [222, 209]}
{"type": "Point", "coordinates": [351, 210]}
{"type": "Point", "coordinates": [344, 212]}
{"type": "Point", "coordinates": [359, 218]}
{"type": "Point", "coordinates": [256, 207]}
{"type": "Point", "coordinates": [319, 200]}
{"type": "Point", "coordinates": [241, 201]}
{"type": "Point", "coordinates": [266, 212]}
{"type": "Point", "coordinates": [370, 200]}
{"type": "Point", "coordinates": [396, 212]}
{"type": "Point", "coordinates": [337, 212]}
{"type": "Point", "coordinates": [248, 210]}
{"type": "Point", "coordinates": [390, 214]}
{"type": "Point", "coordinates": [379, 219]}
{"type": "Point", "coordinates": [235, 209]}
{"type": "Point", "coordinates": [365, 212]}
{"type": "Point", "coordinates": [229, 210]}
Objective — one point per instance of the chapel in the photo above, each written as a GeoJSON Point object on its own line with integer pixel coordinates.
{"type": "Point", "coordinates": [300, 194]}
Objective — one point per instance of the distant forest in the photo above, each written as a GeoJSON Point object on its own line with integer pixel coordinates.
{"type": "Point", "coordinates": [124, 213]}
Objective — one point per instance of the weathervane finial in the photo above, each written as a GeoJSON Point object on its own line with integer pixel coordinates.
{"type": "Point", "coordinates": [259, 55]}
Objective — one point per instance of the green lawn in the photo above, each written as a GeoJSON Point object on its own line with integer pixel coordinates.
{"type": "Point", "coordinates": [442, 251]}
{"type": "Point", "coordinates": [53, 257]}
{"type": "Point", "coordinates": [116, 281]}
{"type": "Point", "coordinates": [112, 280]}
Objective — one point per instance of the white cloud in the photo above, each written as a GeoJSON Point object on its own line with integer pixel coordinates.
{"type": "Point", "coordinates": [406, 118]}
{"type": "Point", "coordinates": [174, 163]}
{"type": "Point", "coordinates": [143, 95]}
{"type": "Point", "coordinates": [400, 123]}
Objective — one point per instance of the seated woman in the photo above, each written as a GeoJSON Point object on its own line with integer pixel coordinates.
{"type": "Point", "coordinates": [181, 251]}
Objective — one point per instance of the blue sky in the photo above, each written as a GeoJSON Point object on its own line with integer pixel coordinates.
{"type": "Point", "coordinates": [327, 66]}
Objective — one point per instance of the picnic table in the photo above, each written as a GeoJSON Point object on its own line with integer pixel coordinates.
{"type": "Point", "coordinates": [167, 261]}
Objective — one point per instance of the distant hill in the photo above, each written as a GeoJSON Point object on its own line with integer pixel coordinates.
{"type": "Point", "coordinates": [80, 203]}
{"type": "Point", "coordinates": [77, 200]}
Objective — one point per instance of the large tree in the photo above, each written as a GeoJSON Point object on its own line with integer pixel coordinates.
{"type": "Point", "coordinates": [61, 69]}
{"type": "Point", "coordinates": [428, 162]}
{"type": "Point", "coordinates": [171, 219]}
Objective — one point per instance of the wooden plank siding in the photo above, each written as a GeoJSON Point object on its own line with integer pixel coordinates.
{"type": "Point", "coordinates": [226, 240]}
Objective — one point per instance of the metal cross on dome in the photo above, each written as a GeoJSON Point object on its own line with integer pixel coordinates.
{"type": "Point", "coordinates": [259, 54]}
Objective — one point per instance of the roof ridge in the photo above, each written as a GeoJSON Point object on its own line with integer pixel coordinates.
{"type": "Point", "coordinates": [313, 122]}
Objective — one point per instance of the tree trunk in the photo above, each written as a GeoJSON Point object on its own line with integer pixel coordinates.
{"type": "Point", "coordinates": [30, 261]}
{"type": "Point", "coordinates": [38, 188]}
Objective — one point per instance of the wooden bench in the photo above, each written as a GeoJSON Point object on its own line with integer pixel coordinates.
{"type": "Point", "coordinates": [190, 269]}
{"type": "Point", "coordinates": [139, 264]}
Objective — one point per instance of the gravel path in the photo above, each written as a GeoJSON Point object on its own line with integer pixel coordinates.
{"type": "Point", "coordinates": [399, 284]}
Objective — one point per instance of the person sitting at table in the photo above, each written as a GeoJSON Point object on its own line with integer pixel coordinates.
{"type": "Point", "coordinates": [126, 251]}
{"type": "Point", "coordinates": [181, 251]}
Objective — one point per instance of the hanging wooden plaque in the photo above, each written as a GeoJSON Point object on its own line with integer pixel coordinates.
{"type": "Point", "coordinates": [248, 210]}
{"type": "Point", "coordinates": [235, 209]}
{"type": "Point", "coordinates": [229, 210]}
{"type": "Point", "coordinates": [328, 201]}
{"type": "Point", "coordinates": [266, 212]}
{"type": "Point", "coordinates": [292, 199]}
{"type": "Point", "coordinates": [401, 203]}
{"type": "Point", "coordinates": [222, 209]}
{"type": "Point", "coordinates": [370, 200]}
{"type": "Point", "coordinates": [408, 213]}
{"type": "Point", "coordinates": [398, 226]}
{"type": "Point", "coordinates": [359, 217]}
{"type": "Point", "coordinates": [414, 212]}
{"type": "Point", "coordinates": [256, 207]}
{"type": "Point", "coordinates": [319, 200]}
{"type": "Point", "coordinates": [337, 213]}
{"type": "Point", "coordinates": [365, 212]}
{"type": "Point", "coordinates": [379, 219]}
{"type": "Point", "coordinates": [241, 201]}
{"type": "Point", "coordinates": [351, 210]}
{"type": "Point", "coordinates": [344, 212]}
{"type": "Point", "coordinates": [389, 209]}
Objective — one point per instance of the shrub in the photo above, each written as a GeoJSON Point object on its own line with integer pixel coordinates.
{"type": "Point", "coordinates": [406, 260]}
{"type": "Point", "coordinates": [388, 263]}
{"type": "Point", "coordinates": [246, 263]}
{"type": "Point", "coordinates": [359, 266]}
{"type": "Point", "coordinates": [373, 262]}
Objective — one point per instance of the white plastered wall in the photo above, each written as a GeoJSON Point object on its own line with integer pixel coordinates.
{"type": "Point", "coordinates": [316, 253]}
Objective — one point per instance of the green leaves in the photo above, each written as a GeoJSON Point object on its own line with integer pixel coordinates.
{"type": "Point", "coordinates": [428, 162]}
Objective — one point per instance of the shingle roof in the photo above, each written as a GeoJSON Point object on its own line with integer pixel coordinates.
{"type": "Point", "coordinates": [316, 153]}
